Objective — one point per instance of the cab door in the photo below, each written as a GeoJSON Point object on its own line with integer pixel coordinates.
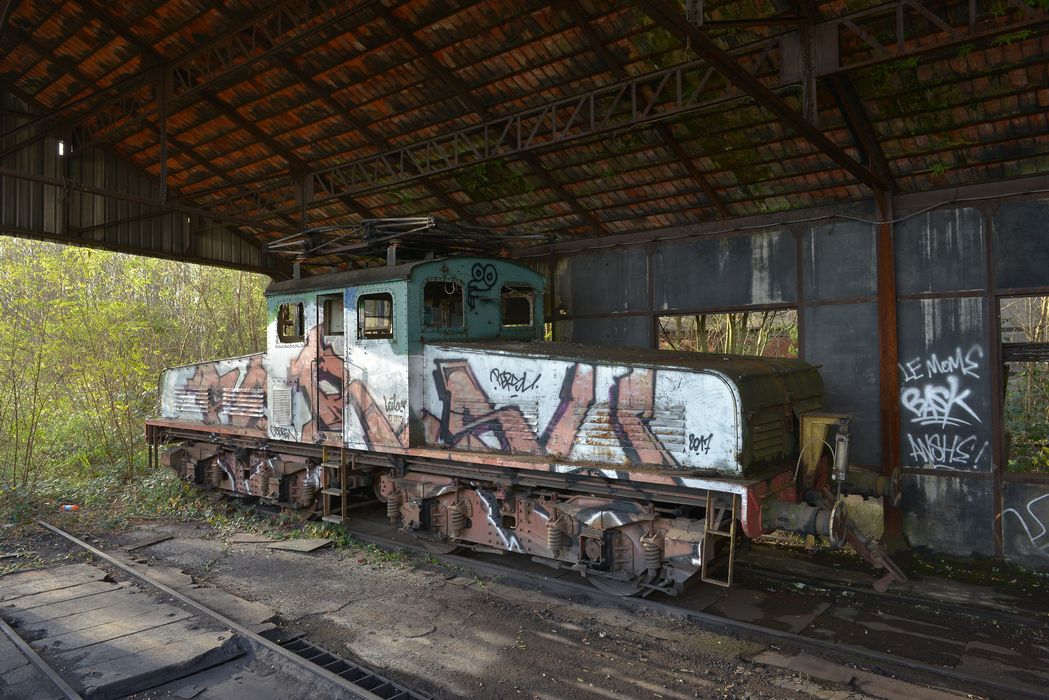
{"type": "Point", "coordinates": [377, 413]}
{"type": "Point", "coordinates": [329, 367]}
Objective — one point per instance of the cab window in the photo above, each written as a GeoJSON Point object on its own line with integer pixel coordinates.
{"type": "Point", "coordinates": [290, 323]}
{"type": "Point", "coordinates": [443, 304]}
{"type": "Point", "coordinates": [333, 318]}
{"type": "Point", "coordinates": [516, 305]}
{"type": "Point", "coordinates": [375, 316]}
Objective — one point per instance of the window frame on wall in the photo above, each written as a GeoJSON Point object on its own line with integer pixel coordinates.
{"type": "Point", "coordinates": [1030, 354]}
{"type": "Point", "coordinates": [663, 342]}
{"type": "Point", "coordinates": [517, 291]}
{"type": "Point", "coordinates": [387, 332]}
{"type": "Point", "coordinates": [298, 320]}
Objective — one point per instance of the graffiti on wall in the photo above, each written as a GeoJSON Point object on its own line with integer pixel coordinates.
{"type": "Point", "coordinates": [943, 428]}
{"type": "Point", "coordinates": [1034, 520]}
{"type": "Point", "coordinates": [483, 277]}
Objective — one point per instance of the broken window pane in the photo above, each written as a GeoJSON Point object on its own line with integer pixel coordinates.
{"type": "Point", "coordinates": [290, 323]}
{"type": "Point", "coordinates": [375, 316]}
{"type": "Point", "coordinates": [443, 304]}
{"type": "Point", "coordinates": [516, 305]}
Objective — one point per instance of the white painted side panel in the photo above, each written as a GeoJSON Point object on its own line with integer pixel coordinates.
{"type": "Point", "coordinates": [582, 412]}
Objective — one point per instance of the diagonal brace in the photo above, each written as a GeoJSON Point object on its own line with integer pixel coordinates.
{"type": "Point", "coordinates": [670, 18]}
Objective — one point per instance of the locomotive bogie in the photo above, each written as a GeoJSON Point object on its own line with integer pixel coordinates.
{"type": "Point", "coordinates": [623, 540]}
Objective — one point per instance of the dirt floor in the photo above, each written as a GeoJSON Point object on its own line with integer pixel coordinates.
{"type": "Point", "coordinates": [451, 634]}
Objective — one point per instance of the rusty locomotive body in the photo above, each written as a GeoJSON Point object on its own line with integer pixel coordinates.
{"type": "Point", "coordinates": [429, 386]}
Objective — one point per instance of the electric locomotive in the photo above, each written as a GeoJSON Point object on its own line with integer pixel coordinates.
{"type": "Point", "coordinates": [428, 386]}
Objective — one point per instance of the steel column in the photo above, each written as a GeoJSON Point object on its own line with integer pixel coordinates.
{"type": "Point", "coordinates": [889, 354]}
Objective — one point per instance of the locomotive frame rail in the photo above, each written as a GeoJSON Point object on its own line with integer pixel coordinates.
{"type": "Point", "coordinates": [899, 665]}
{"type": "Point", "coordinates": [351, 688]}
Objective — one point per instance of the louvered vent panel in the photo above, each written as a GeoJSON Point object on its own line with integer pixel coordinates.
{"type": "Point", "coordinates": [191, 401]}
{"type": "Point", "coordinates": [250, 403]}
{"type": "Point", "coordinates": [280, 410]}
{"type": "Point", "coordinates": [667, 425]}
{"type": "Point", "coordinates": [767, 438]}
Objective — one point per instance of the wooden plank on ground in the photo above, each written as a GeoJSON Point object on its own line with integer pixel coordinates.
{"type": "Point", "coordinates": [19, 578]}
{"type": "Point", "coordinates": [51, 611]}
{"type": "Point", "coordinates": [303, 545]}
{"type": "Point", "coordinates": [137, 672]}
{"type": "Point", "coordinates": [74, 639]}
{"type": "Point", "coordinates": [137, 643]}
{"type": "Point", "coordinates": [234, 607]}
{"type": "Point", "coordinates": [130, 608]}
{"type": "Point", "coordinates": [149, 541]}
{"type": "Point", "coordinates": [80, 591]}
{"type": "Point", "coordinates": [50, 583]}
{"type": "Point", "coordinates": [250, 538]}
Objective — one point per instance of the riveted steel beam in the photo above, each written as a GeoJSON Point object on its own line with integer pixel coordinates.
{"type": "Point", "coordinates": [6, 8]}
{"type": "Point", "coordinates": [579, 17]}
{"type": "Point", "coordinates": [674, 91]}
{"type": "Point", "coordinates": [282, 26]}
{"type": "Point", "coordinates": [473, 104]}
{"type": "Point", "coordinates": [669, 18]}
{"type": "Point", "coordinates": [850, 105]}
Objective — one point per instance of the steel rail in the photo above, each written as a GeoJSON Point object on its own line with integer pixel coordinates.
{"type": "Point", "coordinates": [35, 659]}
{"type": "Point", "coordinates": [844, 652]}
{"type": "Point", "coordinates": [352, 689]}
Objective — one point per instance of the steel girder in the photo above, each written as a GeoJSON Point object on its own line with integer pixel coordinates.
{"type": "Point", "coordinates": [641, 100]}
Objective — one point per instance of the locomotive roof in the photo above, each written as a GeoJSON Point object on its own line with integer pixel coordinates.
{"type": "Point", "coordinates": [347, 278]}
{"type": "Point", "coordinates": [737, 367]}
{"type": "Point", "coordinates": [367, 275]}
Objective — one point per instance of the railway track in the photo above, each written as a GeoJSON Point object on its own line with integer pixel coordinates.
{"type": "Point", "coordinates": [346, 678]}
{"type": "Point", "coordinates": [749, 572]}
{"type": "Point", "coordinates": [897, 665]}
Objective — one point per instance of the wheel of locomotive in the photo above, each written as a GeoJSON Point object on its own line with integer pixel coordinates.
{"type": "Point", "coordinates": [617, 587]}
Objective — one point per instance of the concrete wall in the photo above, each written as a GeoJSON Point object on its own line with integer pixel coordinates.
{"type": "Point", "coordinates": [952, 264]}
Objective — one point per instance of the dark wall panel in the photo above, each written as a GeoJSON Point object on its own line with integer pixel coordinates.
{"type": "Point", "coordinates": [724, 272]}
{"type": "Point", "coordinates": [839, 261]}
{"type": "Point", "coordinates": [945, 385]}
{"type": "Point", "coordinates": [1025, 523]}
{"type": "Point", "coordinates": [941, 251]}
{"type": "Point", "coordinates": [949, 514]}
{"type": "Point", "coordinates": [838, 337]}
{"type": "Point", "coordinates": [613, 280]}
{"type": "Point", "coordinates": [1021, 245]}
{"type": "Point", "coordinates": [628, 331]}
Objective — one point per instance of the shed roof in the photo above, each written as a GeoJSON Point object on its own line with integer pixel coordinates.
{"type": "Point", "coordinates": [581, 119]}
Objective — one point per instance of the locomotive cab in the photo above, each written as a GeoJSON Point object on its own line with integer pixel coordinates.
{"type": "Point", "coordinates": [352, 341]}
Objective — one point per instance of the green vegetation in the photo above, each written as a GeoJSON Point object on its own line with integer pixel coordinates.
{"type": "Point", "coordinates": [84, 336]}
{"type": "Point", "coordinates": [1026, 320]}
{"type": "Point", "coordinates": [769, 333]}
